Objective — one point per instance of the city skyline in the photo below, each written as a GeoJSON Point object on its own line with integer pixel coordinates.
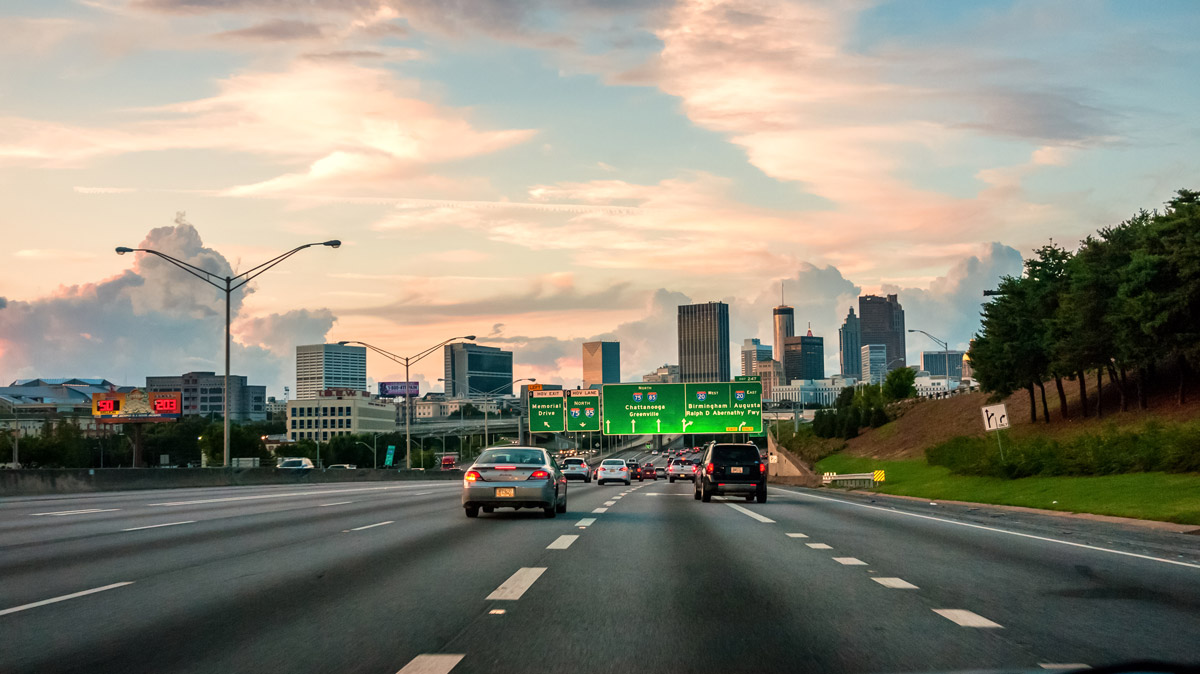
{"type": "Point", "coordinates": [513, 203]}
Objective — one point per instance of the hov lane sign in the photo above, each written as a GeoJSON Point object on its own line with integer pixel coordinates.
{"type": "Point", "coordinates": [995, 417]}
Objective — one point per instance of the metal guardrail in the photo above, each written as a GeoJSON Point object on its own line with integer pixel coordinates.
{"type": "Point", "coordinates": [853, 479]}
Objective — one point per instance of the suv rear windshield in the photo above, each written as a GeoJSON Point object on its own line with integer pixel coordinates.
{"type": "Point", "coordinates": [613, 462]}
{"type": "Point", "coordinates": [735, 454]}
{"type": "Point", "coordinates": [684, 462]}
{"type": "Point", "coordinates": [523, 456]}
{"type": "Point", "coordinates": [572, 462]}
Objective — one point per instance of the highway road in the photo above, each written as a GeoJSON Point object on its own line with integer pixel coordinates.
{"type": "Point", "coordinates": [392, 577]}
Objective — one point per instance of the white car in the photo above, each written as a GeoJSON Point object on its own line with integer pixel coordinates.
{"type": "Point", "coordinates": [575, 468]}
{"type": "Point", "coordinates": [681, 469]}
{"type": "Point", "coordinates": [655, 452]}
{"type": "Point", "coordinates": [613, 470]}
{"type": "Point", "coordinates": [294, 463]}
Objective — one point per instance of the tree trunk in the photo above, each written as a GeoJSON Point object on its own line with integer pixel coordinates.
{"type": "Point", "coordinates": [1112, 376]}
{"type": "Point", "coordinates": [1100, 392]}
{"type": "Point", "coordinates": [1141, 388]}
{"type": "Point", "coordinates": [1032, 403]}
{"type": "Point", "coordinates": [1184, 368]}
{"type": "Point", "coordinates": [1125, 390]}
{"type": "Point", "coordinates": [1062, 397]}
{"type": "Point", "coordinates": [1045, 410]}
{"type": "Point", "coordinates": [1083, 401]}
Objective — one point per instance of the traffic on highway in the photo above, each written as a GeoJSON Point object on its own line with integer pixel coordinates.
{"type": "Point", "coordinates": [390, 577]}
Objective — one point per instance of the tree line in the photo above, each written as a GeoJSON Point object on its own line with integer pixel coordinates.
{"type": "Point", "coordinates": [860, 406]}
{"type": "Point", "coordinates": [1124, 306]}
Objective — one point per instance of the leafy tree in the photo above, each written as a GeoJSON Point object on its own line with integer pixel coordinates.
{"type": "Point", "coordinates": [879, 417]}
{"type": "Point", "coordinates": [899, 384]}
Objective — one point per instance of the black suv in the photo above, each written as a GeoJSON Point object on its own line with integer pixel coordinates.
{"type": "Point", "coordinates": [729, 468]}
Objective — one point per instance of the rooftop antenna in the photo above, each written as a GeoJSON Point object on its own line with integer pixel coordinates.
{"type": "Point", "coordinates": [781, 302]}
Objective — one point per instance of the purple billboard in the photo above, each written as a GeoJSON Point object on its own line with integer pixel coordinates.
{"type": "Point", "coordinates": [396, 389]}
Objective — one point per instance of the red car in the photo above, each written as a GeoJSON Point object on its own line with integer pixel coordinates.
{"type": "Point", "coordinates": [648, 472]}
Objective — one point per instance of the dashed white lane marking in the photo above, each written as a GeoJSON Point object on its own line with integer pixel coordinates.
{"type": "Point", "coordinates": [155, 526]}
{"type": "Point", "coordinates": [76, 512]}
{"type": "Point", "coordinates": [751, 513]}
{"type": "Point", "coordinates": [658, 494]}
{"type": "Point", "coordinates": [796, 536]}
{"type": "Point", "coordinates": [849, 561]}
{"type": "Point", "coordinates": [432, 663]}
{"type": "Point", "coordinates": [291, 493]}
{"type": "Point", "coordinates": [992, 529]}
{"type": "Point", "coordinates": [618, 497]}
{"type": "Point", "coordinates": [819, 546]}
{"type": "Point", "coordinates": [586, 522]}
{"type": "Point", "coordinates": [610, 503]}
{"type": "Point", "coordinates": [326, 505]}
{"type": "Point", "coordinates": [562, 542]}
{"type": "Point", "coordinates": [515, 586]}
{"type": "Point", "coordinates": [600, 510]}
{"type": "Point", "coordinates": [1063, 665]}
{"type": "Point", "coordinates": [64, 597]}
{"type": "Point", "coordinates": [965, 618]}
{"type": "Point", "coordinates": [372, 526]}
{"type": "Point", "coordinates": [497, 611]}
{"type": "Point", "coordinates": [895, 583]}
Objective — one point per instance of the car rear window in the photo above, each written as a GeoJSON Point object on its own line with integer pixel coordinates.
{"type": "Point", "coordinates": [735, 454]}
{"type": "Point", "coordinates": [294, 463]}
{"type": "Point", "coordinates": [521, 456]}
{"type": "Point", "coordinates": [573, 462]}
{"type": "Point", "coordinates": [613, 462]}
{"type": "Point", "coordinates": [684, 462]}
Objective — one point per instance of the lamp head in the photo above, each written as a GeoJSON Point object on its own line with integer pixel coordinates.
{"type": "Point", "coordinates": [121, 250]}
{"type": "Point", "coordinates": [332, 243]}
{"type": "Point", "coordinates": [470, 337]}
{"type": "Point", "coordinates": [344, 342]}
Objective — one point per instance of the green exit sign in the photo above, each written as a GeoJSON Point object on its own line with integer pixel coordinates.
{"type": "Point", "coordinates": [583, 410]}
{"type": "Point", "coordinates": [547, 412]}
{"type": "Point", "coordinates": [662, 409]}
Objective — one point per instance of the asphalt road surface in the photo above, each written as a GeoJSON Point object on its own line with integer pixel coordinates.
{"type": "Point", "coordinates": [386, 578]}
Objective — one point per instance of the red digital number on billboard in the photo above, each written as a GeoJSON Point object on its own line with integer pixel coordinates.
{"type": "Point", "coordinates": [166, 406]}
{"type": "Point", "coordinates": [107, 406]}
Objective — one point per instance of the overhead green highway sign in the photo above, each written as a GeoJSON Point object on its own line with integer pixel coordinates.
{"type": "Point", "coordinates": [547, 412]}
{"type": "Point", "coordinates": [661, 409]}
{"type": "Point", "coordinates": [748, 377]}
{"type": "Point", "coordinates": [583, 410]}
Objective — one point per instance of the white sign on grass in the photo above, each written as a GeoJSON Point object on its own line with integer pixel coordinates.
{"type": "Point", "coordinates": [995, 417]}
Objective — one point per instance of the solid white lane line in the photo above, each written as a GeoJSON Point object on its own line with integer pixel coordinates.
{"type": "Point", "coordinates": [326, 505]}
{"type": "Point", "coordinates": [371, 526]}
{"type": "Point", "coordinates": [600, 510]}
{"type": "Point", "coordinates": [515, 586]}
{"type": "Point", "coordinates": [431, 663]}
{"type": "Point", "coordinates": [64, 597]}
{"type": "Point", "coordinates": [610, 503]}
{"type": "Point", "coordinates": [796, 536]}
{"type": "Point", "coordinates": [657, 494]}
{"type": "Point", "coordinates": [586, 522]}
{"type": "Point", "coordinates": [895, 583]}
{"type": "Point", "coordinates": [819, 546]}
{"type": "Point", "coordinates": [562, 542]}
{"type": "Point", "coordinates": [849, 561]}
{"type": "Point", "coordinates": [965, 618]}
{"type": "Point", "coordinates": [291, 493]}
{"type": "Point", "coordinates": [1063, 665]}
{"type": "Point", "coordinates": [992, 529]}
{"type": "Point", "coordinates": [155, 526]}
{"type": "Point", "coordinates": [76, 512]}
{"type": "Point", "coordinates": [751, 513]}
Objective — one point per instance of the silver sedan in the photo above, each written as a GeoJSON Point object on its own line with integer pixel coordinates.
{"type": "Point", "coordinates": [514, 477]}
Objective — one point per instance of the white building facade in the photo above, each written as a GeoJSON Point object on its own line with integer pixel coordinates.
{"type": "Point", "coordinates": [336, 412]}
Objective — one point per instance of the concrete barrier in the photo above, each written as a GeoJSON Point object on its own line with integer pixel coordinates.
{"type": "Point", "coordinates": [41, 482]}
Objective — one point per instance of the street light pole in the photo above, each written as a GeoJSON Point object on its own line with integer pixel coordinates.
{"type": "Point", "coordinates": [407, 361]}
{"type": "Point", "coordinates": [228, 287]}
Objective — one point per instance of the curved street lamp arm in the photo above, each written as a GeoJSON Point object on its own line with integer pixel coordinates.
{"type": "Point", "coordinates": [189, 268]}
{"type": "Point", "coordinates": [939, 342]}
{"type": "Point", "coordinates": [426, 352]}
{"type": "Point", "coordinates": [386, 354]}
{"type": "Point", "coordinates": [250, 274]}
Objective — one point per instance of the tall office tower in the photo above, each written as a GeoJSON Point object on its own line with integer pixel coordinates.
{"type": "Point", "coordinates": [804, 357]}
{"type": "Point", "coordinates": [881, 321]}
{"type": "Point", "coordinates": [704, 342]}
{"type": "Point", "coordinates": [849, 346]}
{"type": "Point", "coordinates": [474, 370]}
{"type": "Point", "coordinates": [785, 326]}
{"type": "Point", "coordinates": [752, 352]}
{"type": "Point", "coordinates": [943, 363]}
{"type": "Point", "coordinates": [323, 366]}
{"type": "Point", "coordinates": [874, 363]}
{"type": "Point", "coordinates": [601, 363]}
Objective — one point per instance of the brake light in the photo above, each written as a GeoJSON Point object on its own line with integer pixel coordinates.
{"type": "Point", "coordinates": [762, 467]}
{"type": "Point", "coordinates": [625, 470]}
{"type": "Point", "coordinates": [505, 467]}
{"type": "Point", "coordinates": [539, 475]}
{"type": "Point", "coordinates": [709, 468]}
{"type": "Point", "coordinates": [472, 476]}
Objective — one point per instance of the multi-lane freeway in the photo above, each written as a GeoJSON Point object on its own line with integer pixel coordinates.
{"type": "Point", "coordinates": [391, 577]}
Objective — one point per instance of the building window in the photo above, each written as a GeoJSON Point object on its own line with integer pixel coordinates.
{"type": "Point", "coordinates": [324, 423]}
{"type": "Point", "coordinates": [293, 427]}
{"type": "Point", "coordinates": [340, 423]}
{"type": "Point", "coordinates": [309, 423]}
{"type": "Point", "coordinates": [293, 436]}
{"type": "Point", "coordinates": [324, 436]}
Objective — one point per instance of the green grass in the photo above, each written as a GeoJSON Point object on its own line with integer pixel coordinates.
{"type": "Point", "coordinates": [1168, 497]}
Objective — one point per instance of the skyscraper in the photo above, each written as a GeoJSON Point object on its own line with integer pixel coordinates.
{"type": "Point", "coordinates": [881, 321]}
{"type": "Point", "coordinates": [935, 363]}
{"type": "Point", "coordinates": [850, 346]}
{"type": "Point", "coordinates": [474, 369]}
{"type": "Point", "coordinates": [704, 342]}
{"type": "Point", "coordinates": [753, 351]}
{"type": "Point", "coordinates": [874, 363]}
{"type": "Point", "coordinates": [601, 363]}
{"type": "Point", "coordinates": [324, 366]}
{"type": "Point", "coordinates": [785, 326]}
{"type": "Point", "coordinates": [804, 357]}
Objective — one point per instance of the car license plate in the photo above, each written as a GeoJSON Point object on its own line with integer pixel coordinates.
{"type": "Point", "coordinates": [506, 492]}
{"type": "Point", "coordinates": [735, 469]}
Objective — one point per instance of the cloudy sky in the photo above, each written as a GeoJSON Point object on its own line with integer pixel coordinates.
{"type": "Point", "coordinates": [544, 173]}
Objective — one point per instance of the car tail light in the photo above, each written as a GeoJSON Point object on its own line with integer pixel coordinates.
{"type": "Point", "coordinates": [625, 470]}
{"type": "Point", "coordinates": [539, 475]}
{"type": "Point", "coordinates": [762, 468]}
{"type": "Point", "coordinates": [709, 468]}
{"type": "Point", "coordinates": [505, 467]}
{"type": "Point", "coordinates": [472, 476]}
